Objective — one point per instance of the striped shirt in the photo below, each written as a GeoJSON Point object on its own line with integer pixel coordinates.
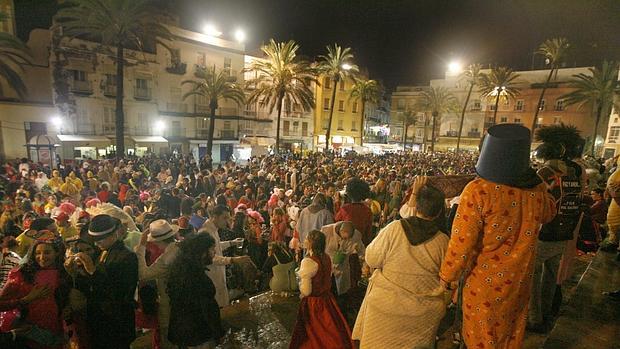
{"type": "Point", "coordinates": [8, 261]}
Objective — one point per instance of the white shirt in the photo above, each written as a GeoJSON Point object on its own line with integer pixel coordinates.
{"type": "Point", "coordinates": [217, 270]}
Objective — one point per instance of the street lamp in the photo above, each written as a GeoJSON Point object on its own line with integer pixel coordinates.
{"type": "Point", "coordinates": [160, 126]}
{"type": "Point", "coordinates": [211, 30]}
{"type": "Point", "coordinates": [455, 67]}
{"type": "Point", "coordinates": [56, 121]}
{"type": "Point", "coordinates": [346, 66]}
{"type": "Point", "coordinates": [240, 35]}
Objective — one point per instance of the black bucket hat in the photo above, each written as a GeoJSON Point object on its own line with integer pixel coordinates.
{"type": "Point", "coordinates": [101, 226]}
{"type": "Point", "coordinates": [505, 156]}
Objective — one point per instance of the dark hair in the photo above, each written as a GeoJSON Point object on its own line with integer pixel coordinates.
{"type": "Point", "coordinates": [357, 190]}
{"type": "Point", "coordinates": [219, 210]}
{"type": "Point", "coordinates": [41, 223]}
{"type": "Point", "coordinates": [599, 191]}
{"type": "Point", "coordinates": [430, 201]}
{"type": "Point", "coordinates": [186, 206]}
{"type": "Point", "coordinates": [317, 242]}
{"type": "Point", "coordinates": [188, 265]}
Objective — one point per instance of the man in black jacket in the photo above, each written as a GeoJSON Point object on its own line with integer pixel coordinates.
{"type": "Point", "coordinates": [111, 283]}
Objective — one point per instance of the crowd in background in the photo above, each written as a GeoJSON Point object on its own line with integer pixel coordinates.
{"type": "Point", "coordinates": [94, 250]}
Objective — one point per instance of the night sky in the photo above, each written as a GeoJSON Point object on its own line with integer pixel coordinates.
{"type": "Point", "coordinates": [407, 42]}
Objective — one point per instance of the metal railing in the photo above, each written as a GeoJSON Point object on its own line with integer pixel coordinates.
{"type": "Point", "coordinates": [109, 90]}
{"type": "Point", "coordinates": [81, 86]}
{"type": "Point", "coordinates": [176, 107]}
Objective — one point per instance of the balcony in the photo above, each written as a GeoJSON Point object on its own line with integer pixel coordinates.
{"type": "Point", "coordinates": [176, 107]}
{"type": "Point", "coordinates": [227, 134]}
{"type": "Point", "coordinates": [202, 133]}
{"type": "Point", "coordinates": [177, 68]}
{"type": "Point", "coordinates": [81, 87]}
{"type": "Point", "coordinates": [142, 93]}
{"type": "Point", "coordinates": [175, 132]}
{"type": "Point", "coordinates": [109, 90]}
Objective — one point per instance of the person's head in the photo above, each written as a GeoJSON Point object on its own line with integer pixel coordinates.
{"type": "Point", "coordinates": [220, 216]}
{"type": "Point", "coordinates": [105, 231]}
{"type": "Point", "coordinates": [357, 190]}
{"type": "Point", "coordinates": [319, 200]}
{"type": "Point", "coordinates": [329, 189]}
{"type": "Point", "coordinates": [346, 229]}
{"type": "Point", "coordinates": [43, 254]}
{"type": "Point", "coordinates": [430, 202]}
{"type": "Point", "coordinates": [200, 212]}
{"type": "Point", "coordinates": [307, 189]}
{"type": "Point", "coordinates": [197, 250]}
{"type": "Point", "coordinates": [278, 212]}
{"type": "Point", "coordinates": [315, 242]}
{"type": "Point", "coordinates": [44, 223]}
{"type": "Point", "coordinates": [597, 194]}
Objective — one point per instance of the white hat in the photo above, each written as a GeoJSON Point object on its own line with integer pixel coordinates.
{"type": "Point", "coordinates": [160, 230]}
{"type": "Point", "coordinates": [289, 192]}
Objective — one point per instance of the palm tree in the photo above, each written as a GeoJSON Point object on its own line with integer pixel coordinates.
{"type": "Point", "coordinates": [282, 79]}
{"type": "Point", "coordinates": [500, 82]}
{"type": "Point", "coordinates": [472, 76]}
{"type": "Point", "coordinates": [122, 24]}
{"type": "Point", "coordinates": [214, 86]}
{"type": "Point", "coordinates": [437, 100]}
{"type": "Point", "coordinates": [597, 90]}
{"type": "Point", "coordinates": [409, 119]}
{"type": "Point", "coordinates": [337, 66]}
{"type": "Point", "coordinates": [554, 51]}
{"type": "Point", "coordinates": [13, 55]}
{"type": "Point", "coordinates": [368, 91]}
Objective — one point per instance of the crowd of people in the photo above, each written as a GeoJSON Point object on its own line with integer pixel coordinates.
{"type": "Point", "coordinates": [376, 245]}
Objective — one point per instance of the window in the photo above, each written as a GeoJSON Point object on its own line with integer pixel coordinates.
{"type": "Point", "coordinates": [492, 107]}
{"type": "Point", "coordinates": [175, 57]}
{"type": "Point", "coordinates": [557, 120]}
{"type": "Point", "coordinates": [326, 103]}
{"type": "Point", "coordinates": [401, 104]}
{"type": "Point", "coordinates": [340, 105]}
{"type": "Point", "coordinates": [175, 94]}
{"type": "Point", "coordinates": [327, 82]}
{"type": "Point", "coordinates": [285, 127]}
{"type": "Point", "coordinates": [295, 127]}
{"type": "Point", "coordinates": [517, 120]}
{"type": "Point", "coordinates": [110, 79]}
{"type": "Point", "coordinates": [341, 85]}
{"type": "Point", "coordinates": [559, 105]}
{"type": "Point", "coordinates": [615, 120]}
{"type": "Point", "coordinates": [79, 75]}
{"type": "Point", "coordinates": [503, 119]}
{"type": "Point", "coordinates": [354, 109]}
{"type": "Point", "coordinates": [227, 125]}
{"type": "Point", "coordinates": [340, 124]}
{"type": "Point", "coordinates": [109, 119]}
{"type": "Point", "coordinates": [201, 59]}
{"type": "Point", "coordinates": [304, 129]}
{"type": "Point", "coordinates": [519, 105]}
{"type": "Point", "coordinates": [325, 123]}
{"type": "Point", "coordinates": [227, 63]}
{"type": "Point", "coordinates": [614, 133]}
{"type": "Point", "coordinates": [202, 123]}
{"type": "Point", "coordinates": [542, 105]}
{"type": "Point", "coordinates": [353, 125]}
{"type": "Point", "coordinates": [476, 105]}
{"type": "Point", "coordinates": [142, 83]}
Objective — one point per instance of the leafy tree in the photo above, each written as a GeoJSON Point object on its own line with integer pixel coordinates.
{"type": "Point", "coordinates": [437, 100]}
{"type": "Point", "coordinates": [13, 55]}
{"type": "Point", "coordinates": [471, 76]}
{"type": "Point", "coordinates": [499, 83]}
{"type": "Point", "coordinates": [368, 91]}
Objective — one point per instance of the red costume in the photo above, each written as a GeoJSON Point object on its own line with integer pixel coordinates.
{"type": "Point", "coordinates": [320, 324]}
{"type": "Point", "coordinates": [361, 216]}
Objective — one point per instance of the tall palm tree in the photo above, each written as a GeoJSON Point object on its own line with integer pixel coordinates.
{"type": "Point", "coordinates": [337, 65]}
{"type": "Point", "coordinates": [13, 55]}
{"type": "Point", "coordinates": [471, 76]}
{"type": "Point", "coordinates": [554, 51]}
{"type": "Point", "coordinates": [499, 83]}
{"type": "Point", "coordinates": [597, 90]}
{"type": "Point", "coordinates": [437, 100]}
{"type": "Point", "coordinates": [368, 91]}
{"type": "Point", "coordinates": [214, 86]}
{"type": "Point", "coordinates": [122, 24]}
{"type": "Point", "coordinates": [409, 119]}
{"type": "Point", "coordinates": [282, 79]}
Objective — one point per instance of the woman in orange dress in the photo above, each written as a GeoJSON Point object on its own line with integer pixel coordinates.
{"type": "Point", "coordinates": [494, 237]}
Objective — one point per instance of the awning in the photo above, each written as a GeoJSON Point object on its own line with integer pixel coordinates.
{"type": "Point", "coordinates": [150, 139]}
{"type": "Point", "coordinates": [215, 141]}
{"type": "Point", "coordinates": [80, 138]}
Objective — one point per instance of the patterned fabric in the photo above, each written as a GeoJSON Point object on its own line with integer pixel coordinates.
{"type": "Point", "coordinates": [495, 233]}
{"type": "Point", "coordinates": [8, 261]}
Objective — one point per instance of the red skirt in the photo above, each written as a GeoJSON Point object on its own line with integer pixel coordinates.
{"type": "Point", "coordinates": [320, 324]}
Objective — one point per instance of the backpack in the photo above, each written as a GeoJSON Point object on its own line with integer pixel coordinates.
{"type": "Point", "coordinates": [568, 204]}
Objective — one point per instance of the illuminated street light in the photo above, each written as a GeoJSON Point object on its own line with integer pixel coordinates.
{"type": "Point", "coordinates": [56, 121]}
{"type": "Point", "coordinates": [240, 35]}
{"type": "Point", "coordinates": [455, 67]}
{"type": "Point", "coordinates": [346, 66]}
{"type": "Point", "coordinates": [160, 126]}
{"type": "Point", "coordinates": [211, 30]}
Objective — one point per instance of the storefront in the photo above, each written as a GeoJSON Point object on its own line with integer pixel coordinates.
{"type": "Point", "coordinates": [150, 144]}
{"type": "Point", "coordinates": [42, 149]}
{"type": "Point", "coordinates": [78, 147]}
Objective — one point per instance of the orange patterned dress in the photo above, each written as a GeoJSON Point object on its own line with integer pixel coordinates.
{"type": "Point", "coordinates": [494, 235]}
